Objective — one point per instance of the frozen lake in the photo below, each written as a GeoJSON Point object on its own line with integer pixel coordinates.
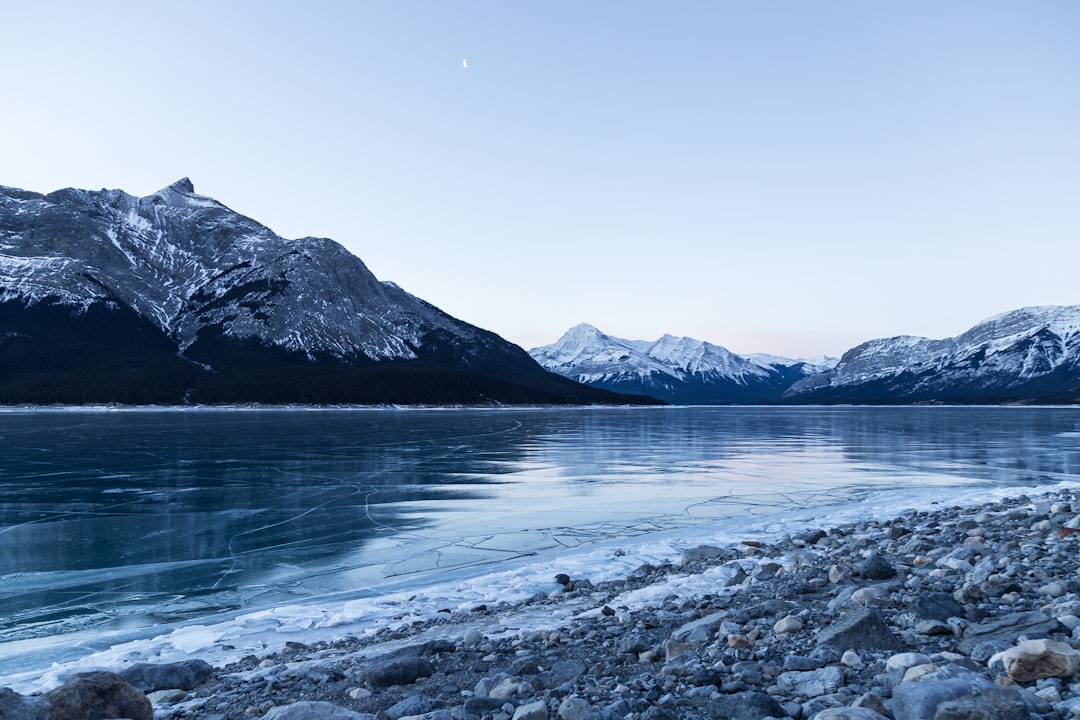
{"type": "Point", "coordinates": [117, 526]}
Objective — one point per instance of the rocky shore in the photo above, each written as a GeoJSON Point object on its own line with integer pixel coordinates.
{"type": "Point", "coordinates": [963, 612]}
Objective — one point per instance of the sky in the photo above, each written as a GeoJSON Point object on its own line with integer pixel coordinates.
{"type": "Point", "coordinates": [776, 176]}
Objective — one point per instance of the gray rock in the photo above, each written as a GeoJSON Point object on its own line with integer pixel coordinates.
{"type": "Point", "coordinates": [98, 694]}
{"type": "Point", "coordinates": [876, 567]}
{"type": "Point", "coordinates": [812, 683]}
{"type": "Point", "coordinates": [531, 711]}
{"type": "Point", "coordinates": [399, 671]}
{"type": "Point", "coordinates": [633, 644]}
{"type": "Point", "coordinates": [700, 630]}
{"type": "Point", "coordinates": [986, 649]}
{"type": "Point", "coordinates": [849, 713]}
{"type": "Point", "coordinates": [573, 708]}
{"type": "Point", "coordinates": [1007, 628]}
{"type": "Point", "coordinates": [186, 675]}
{"type": "Point", "coordinates": [14, 706]}
{"type": "Point", "coordinates": [988, 704]}
{"type": "Point", "coordinates": [860, 629]}
{"type": "Point", "coordinates": [564, 671]}
{"type": "Point", "coordinates": [935, 606]}
{"type": "Point", "coordinates": [702, 553]}
{"type": "Point", "coordinates": [802, 663]}
{"type": "Point", "coordinates": [920, 700]}
{"type": "Point", "coordinates": [312, 710]}
{"type": "Point", "coordinates": [745, 706]}
{"type": "Point", "coordinates": [412, 705]}
{"type": "Point", "coordinates": [480, 705]}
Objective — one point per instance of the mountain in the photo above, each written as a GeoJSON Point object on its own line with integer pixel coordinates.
{"type": "Point", "coordinates": [173, 297]}
{"type": "Point", "coordinates": [1027, 355]}
{"type": "Point", "coordinates": [677, 370]}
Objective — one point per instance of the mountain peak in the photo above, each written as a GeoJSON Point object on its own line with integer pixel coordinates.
{"type": "Point", "coordinates": [183, 185]}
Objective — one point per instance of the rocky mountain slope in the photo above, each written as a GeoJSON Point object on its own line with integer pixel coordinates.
{"type": "Point", "coordinates": [1027, 355]}
{"type": "Point", "coordinates": [678, 370]}
{"type": "Point", "coordinates": [173, 297]}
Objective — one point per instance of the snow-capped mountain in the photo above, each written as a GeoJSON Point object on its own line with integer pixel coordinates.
{"type": "Point", "coordinates": [675, 369]}
{"type": "Point", "coordinates": [1031, 354]}
{"type": "Point", "coordinates": [104, 295]}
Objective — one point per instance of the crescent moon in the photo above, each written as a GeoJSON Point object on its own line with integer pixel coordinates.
{"type": "Point", "coordinates": [465, 63]}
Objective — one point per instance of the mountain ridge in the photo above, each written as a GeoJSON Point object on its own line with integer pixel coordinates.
{"type": "Point", "coordinates": [1027, 355]}
{"type": "Point", "coordinates": [679, 370]}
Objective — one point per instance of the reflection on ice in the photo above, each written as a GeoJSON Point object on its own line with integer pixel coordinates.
{"type": "Point", "coordinates": [205, 528]}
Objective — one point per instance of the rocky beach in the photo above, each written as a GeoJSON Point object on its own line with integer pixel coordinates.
{"type": "Point", "coordinates": [957, 612]}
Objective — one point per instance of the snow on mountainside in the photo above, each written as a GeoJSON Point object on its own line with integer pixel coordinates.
{"type": "Point", "coordinates": [187, 262]}
{"type": "Point", "coordinates": [180, 275]}
{"type": "Point", "coordinates": [675, 369]}
{"type": "Point", "coordinates": [1027, 354]}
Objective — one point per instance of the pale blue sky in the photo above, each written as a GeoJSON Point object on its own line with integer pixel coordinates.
{"type": "Point", "coordinates": [791, 177]}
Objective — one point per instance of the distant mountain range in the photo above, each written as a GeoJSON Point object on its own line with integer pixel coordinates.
{"type": "Point", "coordinates": [677, 370]}
{"type": "Point", "coordinates": [1025, 356]}
{"type": "Point", "coordinates": [173, 298]}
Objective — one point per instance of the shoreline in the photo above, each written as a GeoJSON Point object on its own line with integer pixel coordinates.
{"type": "Point", "coordinates": [739, 626]}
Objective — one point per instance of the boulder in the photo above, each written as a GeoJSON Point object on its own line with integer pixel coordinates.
{"type": "Point", "coordinates": [14, 706]}
{"type": "Point", "coordinates": [745, 706]}
{"type": "Point", "coordinates": [96, 696]}
{"type": "Point", "coordinates": [988, 704]}
{"type": "Point", "coordinates": [876, 567]}
{"type": "Point", "coordinates": [1037, 659]}
{"type": "Point", "coordinates": [411, 705]}
{"type": "Point", "coordinates": [920, 700]}
{"type": "Point", "coordinates": [399, 671]}
{"type": "Point", "coordinates": [1006, 628]}
{"type": "Point", "coordinates": [186, 675]}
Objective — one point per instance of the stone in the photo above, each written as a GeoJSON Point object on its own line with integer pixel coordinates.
{"type": "Point", "coordinates": [876, 567]}
{"type": "Point", "coordinates": [572, 708]}
{"type": "Point", "coordinates": [163, 697]}
{"type": "Point", "coordinates": [399, 671]}
{"type": "Point", "coordinates": [186, 675]}
{"type": "Point", "coordinates": [849, 713]}
{"type": "Point", "coordinates": [866, 596]}
{"type": "Point", "coordinates": [920, 700]}
{"type": "Point", "coordinates": [508, 688]}
{"type": "Point", "coordinates": [745, 706]}
{"type": "Point", "coordinates": [97, 695]}
{"type": "Point", "coordinates": [729, 575]}
{"type": "Point", "coordinates": [412, 705]}
{"type": "Point", "coordinates": [1007, 628]}
{"type": "Point", "coordinates": [532, 711]}
{"type": "Point", "coordinates": [1036, 659]}
{"type": "Point", "coordinates": [702, 553]}
{"type": "Point", "coordinates": [632, 644]}
{"type": "Point", "coordinates": [812, 683]}
{"type": "Point", "coordinates": [787, 624]}
{"type": "Point", "coordinates": [803, 663]}
{"type": "Point", "coordinates": [862, 629]}
{"type": "Point", "coordinates": [837, 574]}
{"type": "Point", "coordinates": [472, 637]}
{"type": "Point", "coordinates": [14, 706]}
{"type": "Point", "coordinates": [935, 606]}
{"type": "Point", "coordinates": [563, 671]}
{"type": "Point", "coordinates": [933, 628]}
{"type": "Point", "coordinates": [988, 704]}
{"type": "Point", "coordinates": [314, 710]}
{"type": "Point", "coordinates": [851, 658]}
{"type": "Point", "coordinates": [903, 661]}
{"type": "Point", "coordinates": [700, 630]}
